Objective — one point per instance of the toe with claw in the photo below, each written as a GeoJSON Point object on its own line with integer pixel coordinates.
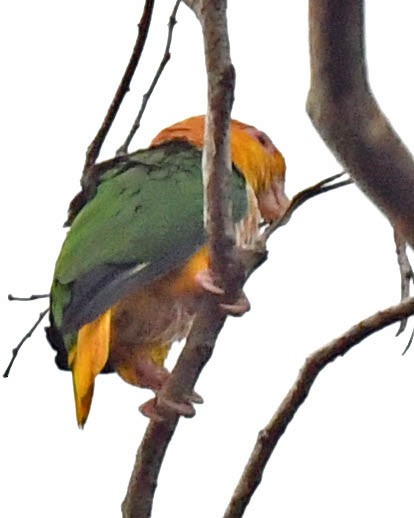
{"type": "Point", "coordinates": [157, 407]}
{"type": "Point", "coordinates": [237, 308]}
{"type": "Point", "coordinates": [206, 281]}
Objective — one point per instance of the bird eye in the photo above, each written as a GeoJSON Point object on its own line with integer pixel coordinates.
{"type": "Point", "coordinates": [261, 137]}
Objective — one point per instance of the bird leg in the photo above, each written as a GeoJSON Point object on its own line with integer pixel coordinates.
{"type": "Point", "coordinates": [237, 308]}
{"type": "Point", "coordinates": [154, 377]}
{"type": "Point", "coordinates": [151, 375]}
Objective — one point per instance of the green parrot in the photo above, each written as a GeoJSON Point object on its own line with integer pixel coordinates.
{"type": "Point", "coordinates": [134, 266]}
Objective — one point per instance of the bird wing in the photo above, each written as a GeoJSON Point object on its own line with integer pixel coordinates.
{"type": "Point", "coordinates": [145, 219]}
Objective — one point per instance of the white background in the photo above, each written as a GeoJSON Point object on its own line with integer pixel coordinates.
{"type": "Point", "coordinates": [350, 449]}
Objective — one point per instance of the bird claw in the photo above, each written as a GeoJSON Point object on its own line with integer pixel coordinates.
{"type": "Point", "coordinates": [195, 398]}
{"type": "Point", "coordinates": [154, 408]}
{"type": "Point", "coordinates": [149, 409]}
{"type": "Point", "coordinates": [238, 308]}
{"type": "Point", "coordinates": [206, 281]}
{"type": "Point", "coordinates": [181, 408]}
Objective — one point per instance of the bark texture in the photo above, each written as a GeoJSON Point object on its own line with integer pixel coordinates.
{"type": "Point", "coordinates": [347, 116]}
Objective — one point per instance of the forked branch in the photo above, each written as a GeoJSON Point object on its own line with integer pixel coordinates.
{"type": "Point", "coordinates": [123, 150]}
{"type": "Point", "coordinates": [29, 333]}
{"type": "Point", "coordinates": [95, 146]}
{"type": "Point", "coordinates": [92, 171]}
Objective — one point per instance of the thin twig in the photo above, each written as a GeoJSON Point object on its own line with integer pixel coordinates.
{"type": "Point", "coordinates": [321, 187]}
{"type": "Point", "coordinates": [124, 86]}
{"type": "Point", "coordinates": [123, 150]}
{"type": "Point", "coordinates": [406, 275]}
{"type": "Point", "coordinates": [16, 350]}
{"type": "Point", "coordinates": [92, 172]}
{"type": "Point", "coordinates": [12, 298]}
{"type": "Point", "coordinates": [315, 363]}
{"type": "Point", "coordinates": [410, 341]}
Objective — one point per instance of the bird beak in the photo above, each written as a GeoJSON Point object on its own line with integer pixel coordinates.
{"type": "Point", "coordinates": [273, 202]}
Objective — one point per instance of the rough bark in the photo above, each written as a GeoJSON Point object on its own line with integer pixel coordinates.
{"type": "Point", "coordinates": [347, 116]}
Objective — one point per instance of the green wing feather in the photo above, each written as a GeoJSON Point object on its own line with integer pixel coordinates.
{"type": "Point", "coordinates": [145, 219]}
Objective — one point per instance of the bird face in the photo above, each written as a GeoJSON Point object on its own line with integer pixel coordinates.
{"type": "Point", "coordinates": [273, 201]}
{"type": "Point", "coordinates": [263, 166]}
{"type": "Point", "coordinates": [254, 155]}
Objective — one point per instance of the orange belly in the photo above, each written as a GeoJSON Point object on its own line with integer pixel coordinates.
{"type": "Point", "coordinates": [145, 323]}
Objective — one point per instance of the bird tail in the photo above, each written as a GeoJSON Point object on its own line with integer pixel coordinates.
{"type": "Point", "coordinates": [87, 359]}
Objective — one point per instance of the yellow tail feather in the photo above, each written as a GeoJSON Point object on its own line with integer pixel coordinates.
{"type": "Point", "coordinates": [87, 359]}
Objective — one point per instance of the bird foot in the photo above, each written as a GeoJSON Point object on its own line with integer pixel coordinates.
{"type": "Point", "coordinates": [154, 408]}
{"type": "Point", "coordinates": [237, 308]}
{"type": "Point", "coordinates": [206, 281]}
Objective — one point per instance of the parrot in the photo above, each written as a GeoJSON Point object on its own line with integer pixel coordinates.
{"type": "Point", "coordinates": [134, 265]}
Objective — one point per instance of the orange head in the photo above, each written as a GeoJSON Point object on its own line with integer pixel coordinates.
{"type": "Point", "coordinates": [252, 152]}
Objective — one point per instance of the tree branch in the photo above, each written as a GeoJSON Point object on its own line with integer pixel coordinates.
{"type": "Point", "coordinates": [315, 363]}
{"type": "Point", "coordinates": [347, 116]}
{"type": "Point", "coordinates": [325, 185]}
{"type": "Point", "coordinates": [216, 151]}
{"type": "Point", "coordinates": [12, 298]}
{"type": "Point", "coordinates": [123, 150]}
{"type": "Point", "coordinates": [197, 351]}
{"type": "Point", "coordinates": [91, 172]}
{"type": "Point", "coordinates": [29, 333]}
{"type": "Point", "coordinates": [96, 144]}
{"type": "Point", "coordinates": [209, 321]}
{"type": "Point", "coordinates": [406, 274]}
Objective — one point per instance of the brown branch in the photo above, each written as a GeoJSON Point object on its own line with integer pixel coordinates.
{"type": "Point", "coordinates": [143, 483]}
{"type": "Point", "coordinates": [209, 321]}
{"type": "Point", "coordinates": [123, 150]}
{"type": "Point", "coordinates": [124, 86]}
{"type": "Point", "coordinates": [347, 116]}
{"type": "Point", "coordinates": [410, 341]}
{"type": "Point", "coordinates": [16, 350]}
{"type": "Point", "coordinates": [92, 172]}
{"type": "Point", "coordinates": [216, 151]}
{"type": "Point", "coordinates": [197, 351]}
{"type": "Point", "coordinates": [406, 275]}
{"type": "Point", "coordinates": [325, 185]}
{"type": "Point", "coordinates": [315, 363]}
{"type": "Point", "coordinates": [27, 299]}
{"type": "Point", "coordinates": [253, 258]}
